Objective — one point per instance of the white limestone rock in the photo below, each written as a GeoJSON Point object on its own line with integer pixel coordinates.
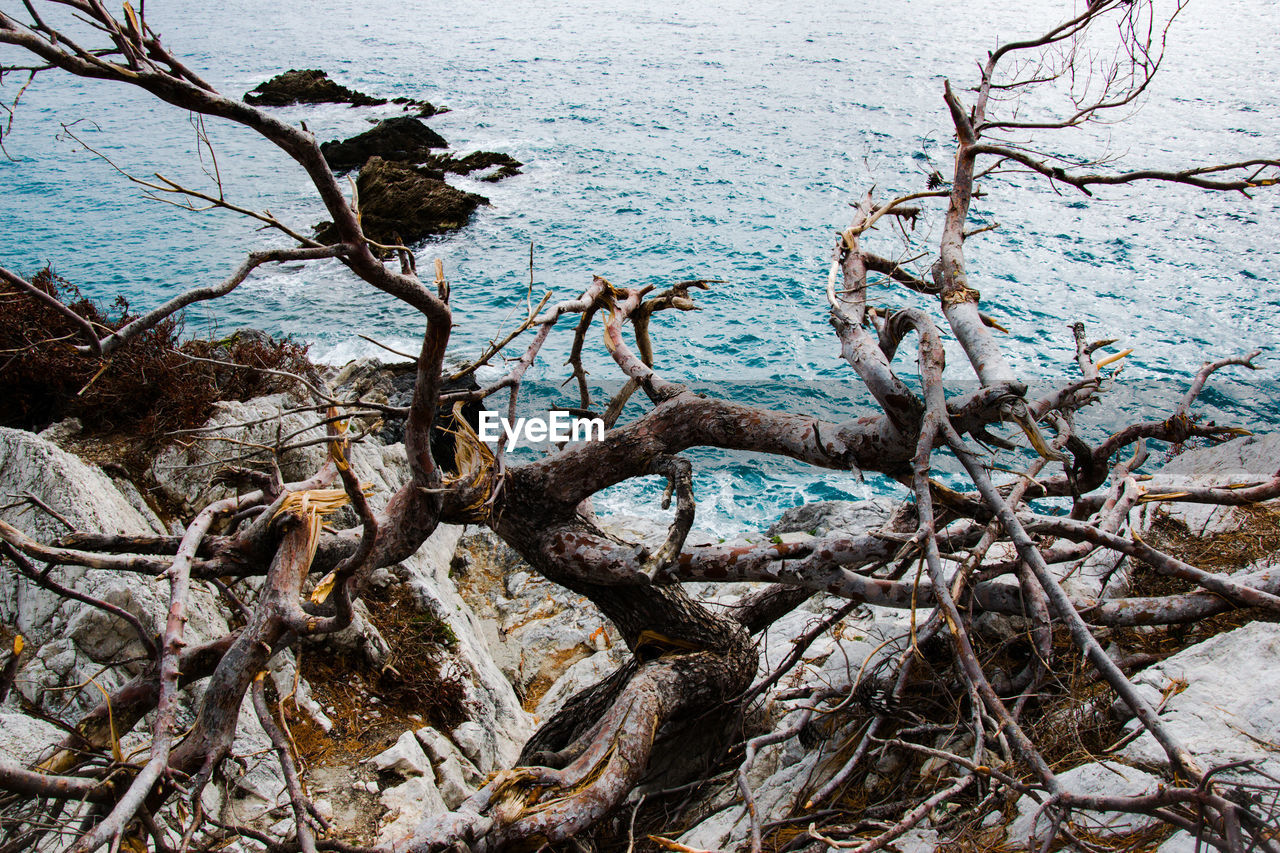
{"type": "Point", "coordinates": [81, 636]}
{"type": "Point", "coordinates": [1105, 778]}
{"type": "Point", "coordinates": [408, 804]}
{"type": "Point", "coordinates": [1101, 569]}
{"type": "Point", "coordinates": [284, 674]}
{"type": "Point", "coordinates": [55, 665]}
{"type": "Point", "coordinates": [650, 532]}
{"type": "Point", "coordinates": [25, 740]}
{"type": "Point", "coordinates": [136, 500]}
{"type": "Point", "coordinates": [583, 674]}
{"type": "Point", "coordinates": [184, 471]}
{"type": "Point", "coordinates": [916, 840]}
{"type": "Point", "coordinates": [386, 467]}
{"type": "Point", "coordinates": [866, 635]}
{"type": "Point", "coordinates": [475, 744]}
{"type": "Point", "coordinates": [404, 757]}
{"type": "Point", "coordinates": [713, 832]}
{"type": "Point", "coordinates": [776, 794]}
{"type": "Point", "coordinates": [1229, 709]}
{"type": "Point", "coordinates": [1183, 842]}
{"type": "Point", "coordinates": [456, 777]}
{"type": "Point", "coordinates": [784, 775]}
{"type": "Point", "coordinates": [62, 432]}
{"type": "Point", "coordinates": [1245, 459]}
{"type": "Point", "coordinates": [794, 537]}
{"type": "Point", "coordinates": [79, 492]}
{"type": "Point", "coordinates": [256, 780]}
{"type": "Point", "coordinates": [534, 629]}
{"type": "Point", "coordinates": [427, 575]}
{"type": "Point", "coordinates": [493, 699]}
{"type": "Point", "coordinates": [426, 572]}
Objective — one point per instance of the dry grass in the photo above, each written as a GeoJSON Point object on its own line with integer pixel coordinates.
{"type": "Point", "coordinates": [417, 686]}
{"type": "Point", "coordinates": [977, 839]}
{"type": "Point", "coordinates": [1066, 729]}
{"type": "Point", "coordinates": [1073, 725]}
{"type": "Point", "coordinates": [1255, 537]}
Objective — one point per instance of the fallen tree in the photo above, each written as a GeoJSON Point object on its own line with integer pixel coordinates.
{"type": "Point", "coordinates": [693, 670]}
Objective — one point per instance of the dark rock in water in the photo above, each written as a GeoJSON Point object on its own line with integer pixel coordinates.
{"type": "Point", "coordinates": [401, 203]}
{"type": "Point", "coordinates": [406, 140]}
{"type": "Point", "coordinates": [369, 378]}
{"type": "Point", "coordinates": [502, 165]}
{"type": "Point", "coordinates": [500, 173]}
{"type": "Point", "coordinates": [252, 336]}
{"type": "Point", "coordinates": [499, 166]}
{"type": "Point", "coordinates": [402, 385]}
{"type": "Point", "coordinates": [403, 139]}
{"type": "Point", "coordinates": [309, 86]}
{"type": "Point", "coordinates": [424, 108]}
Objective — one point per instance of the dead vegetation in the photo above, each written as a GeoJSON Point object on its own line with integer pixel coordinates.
{"type": "Point", "coordinates": [1254, 537]}
{"type": "Point", "coordinates": [1070, 719]}
{"type": "Point", "coordinates": [373, 704]}
{"type": "Point", "coordinates": [141, 393]}
{"type": "Point", "coordinates": [990, 715]}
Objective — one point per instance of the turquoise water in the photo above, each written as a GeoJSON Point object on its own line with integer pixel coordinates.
{"type": "Point", "coordinates": [709, 139]}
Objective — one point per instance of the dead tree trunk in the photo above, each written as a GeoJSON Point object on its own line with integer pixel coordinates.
{"type": "Point", "coordinates": [691, 671]}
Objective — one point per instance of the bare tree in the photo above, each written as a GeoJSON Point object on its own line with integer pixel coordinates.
{"type": "Point", "coordinates": [690, 665]}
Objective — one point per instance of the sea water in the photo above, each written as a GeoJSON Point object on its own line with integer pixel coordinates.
{"type": "Point", "coordinates": [663, 142]}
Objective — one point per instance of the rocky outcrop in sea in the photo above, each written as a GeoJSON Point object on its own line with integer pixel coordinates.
{"type": "Point", "coordinates": [401, 161]}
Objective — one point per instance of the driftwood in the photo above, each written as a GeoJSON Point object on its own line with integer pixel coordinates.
{"type": "Point", "coordinates": [690, 664]}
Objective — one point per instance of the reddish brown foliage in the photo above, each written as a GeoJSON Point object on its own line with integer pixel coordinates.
{"type": "Point", "coordinates": [146, 388]}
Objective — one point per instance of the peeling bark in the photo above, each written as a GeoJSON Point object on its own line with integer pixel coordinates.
{"type": "Point", "coordinates": [689, 679]}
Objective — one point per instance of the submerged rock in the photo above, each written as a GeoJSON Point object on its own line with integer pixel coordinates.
{"type": "Point", "coordinates": [400, 203]}
{"type": "Point", "coordinates": [425, 109]}
{"type": "Point", "coordinates": [402, 139]}
{"type": "Point", "coordinates": [307, 86]}
{"type": "Point", "coordinates": [496, 165]}
{"type": "Point", "coordinates": [824, 518]}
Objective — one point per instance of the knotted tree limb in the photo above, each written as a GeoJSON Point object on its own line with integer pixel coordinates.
{"type": "Point", "coordinates": [165, 730]}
